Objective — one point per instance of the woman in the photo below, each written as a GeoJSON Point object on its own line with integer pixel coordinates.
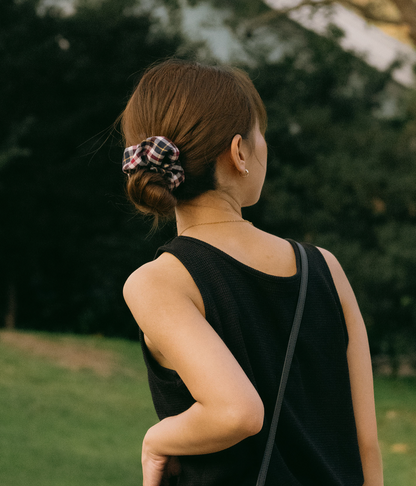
{"type": "Point", "coordinates": [216, 306]}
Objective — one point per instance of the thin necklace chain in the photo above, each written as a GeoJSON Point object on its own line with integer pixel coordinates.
{"type": "Point", "coordinates": [216, 222]}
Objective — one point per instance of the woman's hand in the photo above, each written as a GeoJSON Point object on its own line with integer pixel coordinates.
{"type": "Point", "coordinates": [153, 467]}
{"type": "Point", "coordinates": [172, 470]}
{"type": "Point", "coordinates": [158, 469]}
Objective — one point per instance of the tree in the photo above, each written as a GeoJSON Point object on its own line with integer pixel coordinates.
{"type": "Point", "coordinates": [339, 176]}
{"type": "Point", "coordinates": [343, 179]}
{"type": "Point", "coordinates": [400, 14]}
{"type": "Point", "coordinates": [67, 242]}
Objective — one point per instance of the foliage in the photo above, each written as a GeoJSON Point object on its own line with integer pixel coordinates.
{"type": "Point", "coordinates": [340, 175]}
{"type": "Point", "coordinates": [68, 242]}
{"type": "Point", "coordinates": [398, 16]}
{"type": "Point", "coordinates": [343, 178]}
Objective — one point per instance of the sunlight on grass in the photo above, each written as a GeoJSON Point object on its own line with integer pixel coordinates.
{"type": "Point", "coordinates": [66, 423]}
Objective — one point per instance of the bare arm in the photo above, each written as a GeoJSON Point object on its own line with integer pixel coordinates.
{"type": "Point", "coordinates": [361, 376]}
{"type": "Point", "coordinates": [228, 408]}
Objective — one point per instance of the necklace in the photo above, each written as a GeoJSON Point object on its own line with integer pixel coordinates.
{"type": "Point", "coordinates": [216, 222]}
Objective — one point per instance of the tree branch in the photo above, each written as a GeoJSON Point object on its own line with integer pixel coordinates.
{"type": "Point", "coordinates": [275, 14]}
{"type": "Point", "coordinates": [406, 8]}
{"type": "Point", "coordinates": [366, 12]}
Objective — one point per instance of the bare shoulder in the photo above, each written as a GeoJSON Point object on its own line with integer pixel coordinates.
{"type": "Point", "coordinates": [345, 292]}
{"type": "Point", "coordinates": [341, 282]}
{"type": "Point", "coordinates": [164, 277]}
{"type": "Point", "coordinates": [155, 271]}
{"type": "Point", "coordinates": [335, 267]}
{"type": "Point", "coordinates": [331, 261]}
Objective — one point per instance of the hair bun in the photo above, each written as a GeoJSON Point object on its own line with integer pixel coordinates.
{"type": "Point", "coordinates": [150, 193]}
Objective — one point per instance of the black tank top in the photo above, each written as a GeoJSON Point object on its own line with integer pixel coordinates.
{"type": "Point", "coordinates": [316, 443]}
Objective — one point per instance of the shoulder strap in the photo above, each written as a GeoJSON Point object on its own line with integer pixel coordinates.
{"type": "Point", "coordinates": [286, 366]}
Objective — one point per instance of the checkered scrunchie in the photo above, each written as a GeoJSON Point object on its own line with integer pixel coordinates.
{"type": "Point", "coordinates": [157, 154]}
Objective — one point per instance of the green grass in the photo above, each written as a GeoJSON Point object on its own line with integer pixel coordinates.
{"type": "Point", "coordinates": [62, 427]}
{"type": "Point", "coordinates": [396, 417]}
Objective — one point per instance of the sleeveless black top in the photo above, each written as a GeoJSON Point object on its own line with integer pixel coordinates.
{"type": "Point", "coordinates": [316, 442]}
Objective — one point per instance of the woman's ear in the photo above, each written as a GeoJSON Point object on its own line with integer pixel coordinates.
{"type": "Point", "coordinates": [238, 153]}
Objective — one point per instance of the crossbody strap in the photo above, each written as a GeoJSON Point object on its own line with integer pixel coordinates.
{"type": "Point", "coordinates": [286, 366]}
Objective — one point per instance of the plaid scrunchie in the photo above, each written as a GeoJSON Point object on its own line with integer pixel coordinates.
{"type": "Point", "coordinates": [158, 154]}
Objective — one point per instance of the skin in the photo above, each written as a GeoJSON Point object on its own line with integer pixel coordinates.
{"type": "Point", "coordinates": [228, 409]}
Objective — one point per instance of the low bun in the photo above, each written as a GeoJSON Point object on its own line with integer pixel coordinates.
{"type": "Point", "coordinates": [150, 193]}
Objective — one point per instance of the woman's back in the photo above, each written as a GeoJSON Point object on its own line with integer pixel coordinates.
{"type": "Point", "coordinates": [249, 245]}
{"type": "Point", "coordinates": [252, 312]}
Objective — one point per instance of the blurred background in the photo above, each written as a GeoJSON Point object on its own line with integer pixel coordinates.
{"type": "Point", "coordinates": [340, 94]}
{"type": "Point", "coordinates": [339, 86]}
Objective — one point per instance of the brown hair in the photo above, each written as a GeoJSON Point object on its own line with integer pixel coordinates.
{"type": "Point", "coordinates": [200, 109]}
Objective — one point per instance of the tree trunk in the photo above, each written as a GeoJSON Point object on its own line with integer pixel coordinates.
{"type": "Point", "coordinates": [10, 317]}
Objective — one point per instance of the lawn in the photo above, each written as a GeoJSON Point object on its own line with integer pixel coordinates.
{"type": "Point", "coordinates": [61, 426]}
{"type": "Point", "coordinates": [73, 411]}
{"type": "Point", "coordinates": [396, 417]}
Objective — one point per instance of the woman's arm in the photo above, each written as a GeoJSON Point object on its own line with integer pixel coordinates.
{"type": "Point", "coordinates": [361, 376]}
{"type": "Point", "coordinates": [161, 297]}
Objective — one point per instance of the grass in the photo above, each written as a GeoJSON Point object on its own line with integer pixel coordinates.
{"type": "Point", "coordinates": [66, 427]}
{"type": "Point", "coordinates": [396, 416]}
{"type": "Point", "coordinates": [60, 427]}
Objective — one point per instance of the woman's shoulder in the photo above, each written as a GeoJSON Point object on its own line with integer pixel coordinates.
{"type": "Point", "coordinates": [164, 277]}
{"type": "Point", "coordinates": [339, 278]}
{"type": "Point", "coordinates": [159, 272]}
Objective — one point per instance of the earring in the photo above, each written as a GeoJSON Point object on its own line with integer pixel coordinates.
{"type": "Point", "coordinates": [246, 173]}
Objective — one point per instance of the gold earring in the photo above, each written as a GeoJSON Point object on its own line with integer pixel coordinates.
{"type": "Point", "coordinates": [246, 173]}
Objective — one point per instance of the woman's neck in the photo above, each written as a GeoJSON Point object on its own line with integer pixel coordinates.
{"type": "Point", "coordinates": [207, 208]}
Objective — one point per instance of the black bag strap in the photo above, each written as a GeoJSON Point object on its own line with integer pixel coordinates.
{"type": "Point", "coordinates": [286, 366]}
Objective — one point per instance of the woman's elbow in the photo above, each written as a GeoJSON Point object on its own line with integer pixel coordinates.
{"type": "Point", "coordinates": [254, 422]}
{"type": "Point", "coordinates": [246, 419]}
